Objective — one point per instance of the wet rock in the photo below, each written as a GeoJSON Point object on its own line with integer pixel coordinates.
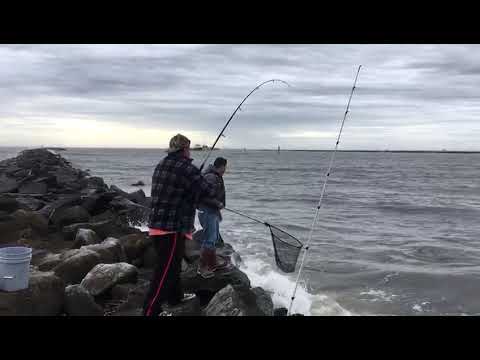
{"type": "Point", "coordinates": [186, 308]}
{"type": "Point", "coordinates": [71, 215]}
{"type": "Point", "coordinates": [33, 188]}
{"type": "Point", "coordinates": [134, 245]}
{"type": "Point", "coordinates": [118, 191]}
{"type": "Point", "coordinates": [9, 204]}
{"type": "Point", "coordinates": [30, 203]}
{"type": "Point", "coordinates": [139, 183]}
{"type": "Point", "coordinates": [79, 302]}
{"type": "Point", "coordinates": [36, 221]}
{"type": "Point", "coordinates": [44, 297]}
{"type": "Point", "coordinates": [49, 262]}
{"type": "Point", "coordinates": [76, 264]}
{"type": "Point", "coordinates": [110, 251]}
{"type": "Point", "coordinates": [97, 203]}
{"type": "Point", "coordinates": [137, 197]}
{"type": "Point", "coordinates": [8, 184]}
{"type": "Point", "coordinates": [104, 276]}
{"type": "Point", "coordinates": [85, 237]}
{"type": "Point", "coordinates": [102, 228]}
{"type": "Point", "coordinates": [232, 302]}
{"type": "Point", "coordinates": [106, 215]}
{"type": "Point", "coordinates": [280, 312]}
{"type": "Point", "coordinates": [63, 202]}
{"type": "Point", "coordinates": [206, 288]}
{"type": "Point", "coordinates": [122, 291]}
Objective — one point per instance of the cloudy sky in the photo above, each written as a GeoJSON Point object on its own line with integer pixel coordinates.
{"type": "Point", "coordinates": [408, 96]}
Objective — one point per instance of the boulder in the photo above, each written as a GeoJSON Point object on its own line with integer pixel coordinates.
{"type": "Point", "coordinates": [70, 215]}
{"type": "Point", "coordinates": [8, 184]}
{"type": "Point", "coordinates": [10, 229]}
{"type": "Point", "coordinates": [226, 302]}
{"type": "Point", "coordinates": [96, 182]}
{"type": "Point", "coordinates": [79, 302]}
{"type": "Point", "coordinates": [102, 228]}
{"type": "Point", "coordinates": [187, 308]}
{"type": "Point", "coordinates": [118, 191]}
{"type": "Point", "coordinates": [134, 245]}
{"type": "Point", "coordinates": [110, 251]}
{"type": "Point", "coordinates": [231, 302]}
{"type": "Point", "coordinates": [122, 291]}
{"type": "Point", "coordinates": [85, 237]}
{"type": "Point", "coordinates": [63, 202]}
{"type": "Point", "coordinates": [106, 215]}
{"type": "Point", "coordinates": [32, 219]}
{"type": "Point", "coordinates": [44, 297]}
{"type": "Point", "coordinates": [97, 203]}
{"type": "Point", "coordinates": [105, 276]}
{"type": "Point", "coordinates": [33, 188]}
{"type": "Point", "coordinates": [9, 204]}
{"type": "Point", "coordinates": [206, 288]}
{"type": "Point", "coordinates": [137, 197]}
{"type": "Point", "coordinates": [30, 203]}
{"type": "Point", "coordinates": [49, 262]}
{"type": "Point", "coordinates": [280, 312]}
{"type": "Point", "coordinates": [76, 264]}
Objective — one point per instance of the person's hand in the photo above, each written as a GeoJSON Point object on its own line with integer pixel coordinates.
{"type": "Point", "coordinates": [220, 205]}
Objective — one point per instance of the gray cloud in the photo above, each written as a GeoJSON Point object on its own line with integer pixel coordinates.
{"type": "Point", "coordinates": [196, 87]}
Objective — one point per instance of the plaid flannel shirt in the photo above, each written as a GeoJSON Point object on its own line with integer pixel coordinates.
{"type": "Point", "coordinates": [176, 186]}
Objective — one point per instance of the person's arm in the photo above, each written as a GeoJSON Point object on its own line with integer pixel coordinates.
{"type": "Point", "coordinates": [197, 183]}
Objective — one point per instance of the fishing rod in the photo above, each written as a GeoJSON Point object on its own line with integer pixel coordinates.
{"type": "Point", "coordinates": [233, 114]}
{"type": "Point", "coordinates": [327, 175]}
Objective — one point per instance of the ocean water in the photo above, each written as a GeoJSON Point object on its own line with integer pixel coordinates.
{"type": "Point", "coordinates": [398, 233]}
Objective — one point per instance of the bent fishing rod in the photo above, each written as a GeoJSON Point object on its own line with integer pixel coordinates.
{"type": "Point", "coordinates": [233, 114]}
{"type": "Point", "coordinates": [327, 175]}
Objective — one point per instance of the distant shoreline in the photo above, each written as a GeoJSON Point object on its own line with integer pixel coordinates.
{"type": "Point", "coordinates": [275, 150]}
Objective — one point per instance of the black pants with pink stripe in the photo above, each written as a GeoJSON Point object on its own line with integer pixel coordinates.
{"type": "Point", "coordinates": [165, 285]}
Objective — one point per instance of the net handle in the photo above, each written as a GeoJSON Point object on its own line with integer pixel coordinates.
{"type": "Point", "coordinates": [249, 217]}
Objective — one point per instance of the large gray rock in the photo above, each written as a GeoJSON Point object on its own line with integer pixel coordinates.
{"type": "Point", "coordinates": [79, 302]}
{"type": "Point", "coordinates": [30, 203]}
{"type": "Point", "coordinates": [105, 276]}
{"type": "Point", "coordinates": [110, 251]}
{"type": "Point", "coordinates": [85, 237]}
{"type": "Point", "coordinates": [134, 245]}
{"type": "Point", "coordinates": [33, 188]}
{"type": "Point", "coordinates": [44, 297]}
{"type": "Point", "coordinates": [32, 219]}
{"type": "Point", "coordinates": [49, 262]}
{"type": "Point", "coordinates": [9, 204]}
{"type": "Point", "coordinates": [103, 229]}
{"type": "Point", "coordinates": [138, 197]}
{"type": "Point", "coordinates": [76, 264]}
{"type": "Point", "coordinates": [187, 308]}
{"type": "Point", "coordinates": [231, 302]}
{"type": "Point", "coordinates": [98, 203]}
{"type": "Point", "coordinates": [118, 191]}
{"type": "Point", "coordinates": [22, 224]}
{"type": "Point", "coordinates": [63, 202]}
{"type": "Point", "coordinates": [8, 184]}
{"type": "Point", "coordinates": [70, 215]}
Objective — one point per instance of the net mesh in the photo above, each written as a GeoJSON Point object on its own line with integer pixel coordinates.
{"type": "Point", "coordinates": [286, 247]}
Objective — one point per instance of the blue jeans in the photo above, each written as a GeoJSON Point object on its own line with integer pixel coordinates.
{"type": "Point", "coordinates": [210, 221]}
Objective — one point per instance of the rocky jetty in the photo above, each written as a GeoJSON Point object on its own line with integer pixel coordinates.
{"type": "Point", "coordinates": [88, 258]}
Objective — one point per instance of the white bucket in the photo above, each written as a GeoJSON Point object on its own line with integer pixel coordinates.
{"type": "Point", "coordinates": [14, 268]}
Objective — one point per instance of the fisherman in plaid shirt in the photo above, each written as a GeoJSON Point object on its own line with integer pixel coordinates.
{"type": "Point", "coordinates": [176, 184]}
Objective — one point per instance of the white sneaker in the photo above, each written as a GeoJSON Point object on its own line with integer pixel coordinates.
{"type": "Point", "coordinates": [188, 297]}
{"type": "Point", "coordinates": [165, 313]}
